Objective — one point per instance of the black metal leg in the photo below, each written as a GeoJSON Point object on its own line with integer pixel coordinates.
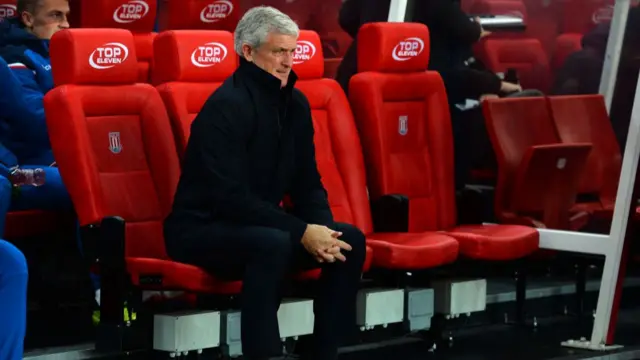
{"type": "Point", "coordinates": [521, 294]}
{"type": "Point", "coordinates": [581, 286]}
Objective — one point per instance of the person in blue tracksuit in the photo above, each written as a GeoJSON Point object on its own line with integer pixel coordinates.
{"type": "Point", "coordinates": [25, 78]}
{"type": "Point", "coordinates": [13, 301]}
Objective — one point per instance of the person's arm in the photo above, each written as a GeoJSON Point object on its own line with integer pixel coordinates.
{"type": "Point", "coordinates": [307, 193]}
{"type": "Point", "coordinates": [23, 103]}
{"type": "Point", "coordinates": [448, 18]}
{"type": "Point", "coordinates": [218, 134]}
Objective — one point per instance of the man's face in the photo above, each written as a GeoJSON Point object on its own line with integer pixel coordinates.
{"type": "Point", "coordinates": [275, 56]}
{"type": "Point", "coordinates": [49, 17]}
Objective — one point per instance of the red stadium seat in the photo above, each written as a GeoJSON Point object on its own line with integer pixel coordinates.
{"type": "Point", "coordinates": [402, 115]}
{"type": "Point", "coordinates": [537, 175]}
{"type": "Point", "coordinates": [190, 65]}
{"type": "Point", "coordinates": [138, 16]}
{"type": "Point", "coordinates": [113, 143]}
{"type": "Point", "coordinates": [199, 14]}
{"type": "Point", "coordinates": [526, 56]}
{"type": "Point", "coordinates": [7, 9]}
{"type": "Point", "coordinates": [341, 165]}
{"type": "Point", "coordinates": [566, 44]}
{"type": "Point", "coordinates": [584, 119]}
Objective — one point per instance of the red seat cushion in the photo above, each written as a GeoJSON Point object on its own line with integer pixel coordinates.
{"type": "Point", "coordinates": [199, 14]}
{"type": "Point", "coordinates": [179, 276]}
{"type": "Point", "coordinates": [491, 242]}
{"type": "Point", "coordinates": [412, 251]}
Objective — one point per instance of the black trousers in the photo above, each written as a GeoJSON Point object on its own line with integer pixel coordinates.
{"type": "Point", "coordinates": [265, 257]}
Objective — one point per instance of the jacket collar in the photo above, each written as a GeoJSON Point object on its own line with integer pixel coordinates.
{"type": "Point", "coordinates": [269, 85]}
{"type": "Point", "coordinates": [14, 35]}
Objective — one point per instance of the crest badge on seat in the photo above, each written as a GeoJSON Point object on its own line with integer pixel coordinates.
{"type": "Point", "coordinates": [403, 126]}
{"type": "Point", "coordinates": [115, 145]}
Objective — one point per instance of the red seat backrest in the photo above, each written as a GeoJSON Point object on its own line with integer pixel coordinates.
{"type": "Point", "coordinates": [514, 126]}
{"type": "Point", "coordinates": [338, 150]}
{"type": "Point", "coordinates": [199, 14]}
{"type": "Point", "coordinates": [580, 16]}
{"type": "Point", "coordinates": [566, 44]}
{"type": "Point", "coordinates": [111, 137]}
{"type": "Point", "coordinates": [525, 55]}
{"type": "Point", "coordinates": [402, 115]}
{"type": "Point", "coordinates": [584, 119]}
{"type": "Point", "coordinates": [7, 9]}
{"type": "Point", "coordinates": [190, 65]}
{"type": "Point", "coordinates": [138, 16]}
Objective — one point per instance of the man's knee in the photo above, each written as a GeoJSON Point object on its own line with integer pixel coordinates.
{"type": "Point", "coordinates": [354, 237]}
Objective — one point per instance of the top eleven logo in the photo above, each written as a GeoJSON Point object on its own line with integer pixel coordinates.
{"type": "Point", "coordinates": [603, 14]}
{"type": "Point", "coordinates": [108, 55]}
{"type": "Point", "coordinates": [407, 49]}
{"type": "Point", "coordinates": [216, 11]}
{"type": "Point", "coordinates": [131, 11]}
{"type": "Point", "coordinates": [7, 10]}
{"type": "Point", "coordinates": [305, 50]}
{"type": "Point", "coordinates": [208, 55]}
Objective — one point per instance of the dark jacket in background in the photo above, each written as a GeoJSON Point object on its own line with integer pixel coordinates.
{"type": "Point", "coordinates": [251, 144]}
{"type": "Point", "coordinates": [452, 34]}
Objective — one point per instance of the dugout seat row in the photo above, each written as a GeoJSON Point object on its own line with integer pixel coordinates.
{"type": "Point", "coordinates": [558, 148]}
{"type": "Point", "coordinates": [116, 150]}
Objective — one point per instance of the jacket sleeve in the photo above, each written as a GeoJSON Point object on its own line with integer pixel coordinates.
{"type": "Point", "coordinates": [448, 18]}
{"type": "Point", "coordinates": [218, 136]}
{"type": "Point", "coordinates": [307, 194]}
{"type": "Point", "coordinates": [24, 107]}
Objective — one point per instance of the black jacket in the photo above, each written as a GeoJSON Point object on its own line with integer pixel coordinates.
{"type": "Point", "coordinates": [452, 34]}
{"type": "Point", "coordinates": [251, 144]}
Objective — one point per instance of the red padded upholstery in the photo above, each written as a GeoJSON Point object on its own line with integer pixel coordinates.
{"type": "Point", "coordinates": [138, 16]}
{"type": "Point", "coordinates": [144, 52]}
{"type": "Point", "coordinates": [538, 176]}
{"type": "Point", "coordinates": [402, 116]}
{"type": "Point", "coordinates": [341, 165]}
{"type": "Point", "coordinates": [113, 143]}
{"type": "Point", "coordinates": [584, 119]}
{"type": "Point", "coordinates": [134, 15]}
{"type": "Point", "coordinates": [525, 55]}
{"type": "Point", "coordinates": [199, 14]}
{"type": "Point", "coordinates": [7, 8]}
{"type": "Point", "coordinates": [190, 65]}
{"type": "Point", "coordinates": [566, 44]}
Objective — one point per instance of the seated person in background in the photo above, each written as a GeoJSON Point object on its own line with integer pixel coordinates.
{"type": "Point", "coordinates": [250, 145]}
{"type": "Point", "coordinates": [580, 74]}
{"type": "Point", "coordinates": [14, 277]}
{"type": "Point", "coordinates": [24, 45]}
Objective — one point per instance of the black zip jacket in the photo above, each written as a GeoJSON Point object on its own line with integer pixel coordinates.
{"type": "Point", "coordinates": [251, 144]}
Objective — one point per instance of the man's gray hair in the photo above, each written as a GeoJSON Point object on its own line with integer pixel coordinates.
{"type": "Point", "coordinates": [258, 22]}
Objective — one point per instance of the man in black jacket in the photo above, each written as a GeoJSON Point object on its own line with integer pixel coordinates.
{"type": "Point", "coordinates": [250, 145]}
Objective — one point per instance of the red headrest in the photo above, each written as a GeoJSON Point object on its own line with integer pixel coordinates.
{"type": "Point", "coordinates": [308, 61]}
{"type": "Point", "coordinates": [200, 14]}
{"type": "Point", "coordinates": [134, 15]}
{"type": "Point", "coordinates": [93, 56]}
{"type": "Point", "coordinates": [193, 56]}
{"type": "Point", "coordinates": [7, 9]}
{"type": "Point", "coordinates": [393, 47]}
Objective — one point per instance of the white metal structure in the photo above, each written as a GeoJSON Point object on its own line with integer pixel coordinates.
{"type": "Point", "coordinates": [614, 47]}
{"type": "Point", "coordinates": [610, 246]}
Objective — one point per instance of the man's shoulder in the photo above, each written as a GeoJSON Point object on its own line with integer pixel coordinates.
{"type": "Point", "coordinates": [230, 94]}
{"type": "Point", "coordinates": [299, 98]}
